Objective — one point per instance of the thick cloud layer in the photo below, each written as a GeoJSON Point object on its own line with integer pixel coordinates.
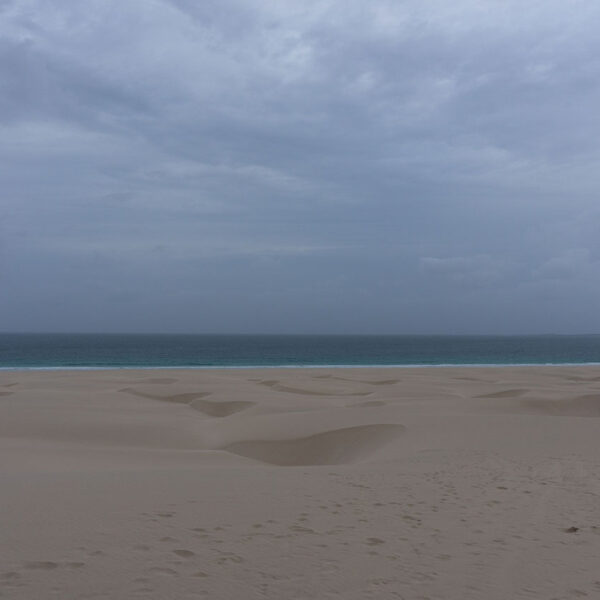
{"type": "Point", "coordinates": [335, 166]}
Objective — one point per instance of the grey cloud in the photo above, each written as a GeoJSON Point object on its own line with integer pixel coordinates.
{"type": "Point", "coordinates": [396, 160]}
{"type": "Point", "coordinates": [478, 270]}
{"type": "Point", "coordinates": [574, 263]}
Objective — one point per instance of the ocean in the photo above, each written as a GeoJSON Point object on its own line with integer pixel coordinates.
{"type": "Point", "coordinates": [89, 351]}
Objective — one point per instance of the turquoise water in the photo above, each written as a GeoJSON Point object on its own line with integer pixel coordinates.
{"type": "Point", "coordinates": [24, 351]}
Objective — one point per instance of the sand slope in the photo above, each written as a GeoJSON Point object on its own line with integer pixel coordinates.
{"type": "Point", "coordinates": [301, 483]}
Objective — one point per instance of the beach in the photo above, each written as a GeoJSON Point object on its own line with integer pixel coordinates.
{"type": "Point", "coordinates": [353, 483]}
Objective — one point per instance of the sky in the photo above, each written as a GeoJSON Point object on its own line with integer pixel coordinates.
{"type": "Point", "coordinates": [273, 166]}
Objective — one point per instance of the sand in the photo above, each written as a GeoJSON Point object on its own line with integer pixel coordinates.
{"type": "Point", "coordinates": [431, 483]}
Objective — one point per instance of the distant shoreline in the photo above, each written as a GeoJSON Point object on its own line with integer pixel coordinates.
{"type": "Point", "coordinates": [301, 367]}
{"type": "Point", "coordinates": [120, 351]}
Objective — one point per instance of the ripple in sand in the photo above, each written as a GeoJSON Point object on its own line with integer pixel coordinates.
{"type": "Point", "coordinates": [505, 394]}
{"type": "Point", "coordinates": [221, 409]}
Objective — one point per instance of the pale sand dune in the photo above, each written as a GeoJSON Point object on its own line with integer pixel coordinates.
{"type": "Point", "coordinates": [442, 483]}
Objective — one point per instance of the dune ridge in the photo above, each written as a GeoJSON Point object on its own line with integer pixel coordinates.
{"type": "Point", "coordinates": [334, 447]}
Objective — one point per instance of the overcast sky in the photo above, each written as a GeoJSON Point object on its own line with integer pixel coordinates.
{"type": "Point", "coordinates": [319, 166]}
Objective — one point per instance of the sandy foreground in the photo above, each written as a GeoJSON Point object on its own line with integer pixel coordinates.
{"type": "Point", "coordinates": [437, 483]}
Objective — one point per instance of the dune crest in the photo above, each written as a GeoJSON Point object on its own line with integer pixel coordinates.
{"type": "Point", "coordinates": [278, 387]}
{"type": "Point", "coordinates": [335, 447]}
{"type": "Point", "coordinates": [186, 398]}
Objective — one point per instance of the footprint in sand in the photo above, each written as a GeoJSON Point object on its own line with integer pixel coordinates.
{"type": "Point", "coordinates": [45, 565]}
{"type": "Point", "coordinates": [200, 574]}
{"type": "Point", "coordinates": [184, 553]}
{"type": "Point", "coordinates": [162, 571]}
{"type": "Point", "coordinates": [300, 529]}
{"type": "Point", "coordinates": [229, 557]}
{"type": "Point", "coordinates": [374, 541]}
{"type": "Point", "coordinates": [48, 565]}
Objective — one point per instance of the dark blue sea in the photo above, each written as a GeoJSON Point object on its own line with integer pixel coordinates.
{"type": "Point", "coordinates": [27, 351]}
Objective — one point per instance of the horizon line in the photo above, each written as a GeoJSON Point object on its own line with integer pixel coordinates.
{"type": "Point", "coordinates": [295, 334]}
